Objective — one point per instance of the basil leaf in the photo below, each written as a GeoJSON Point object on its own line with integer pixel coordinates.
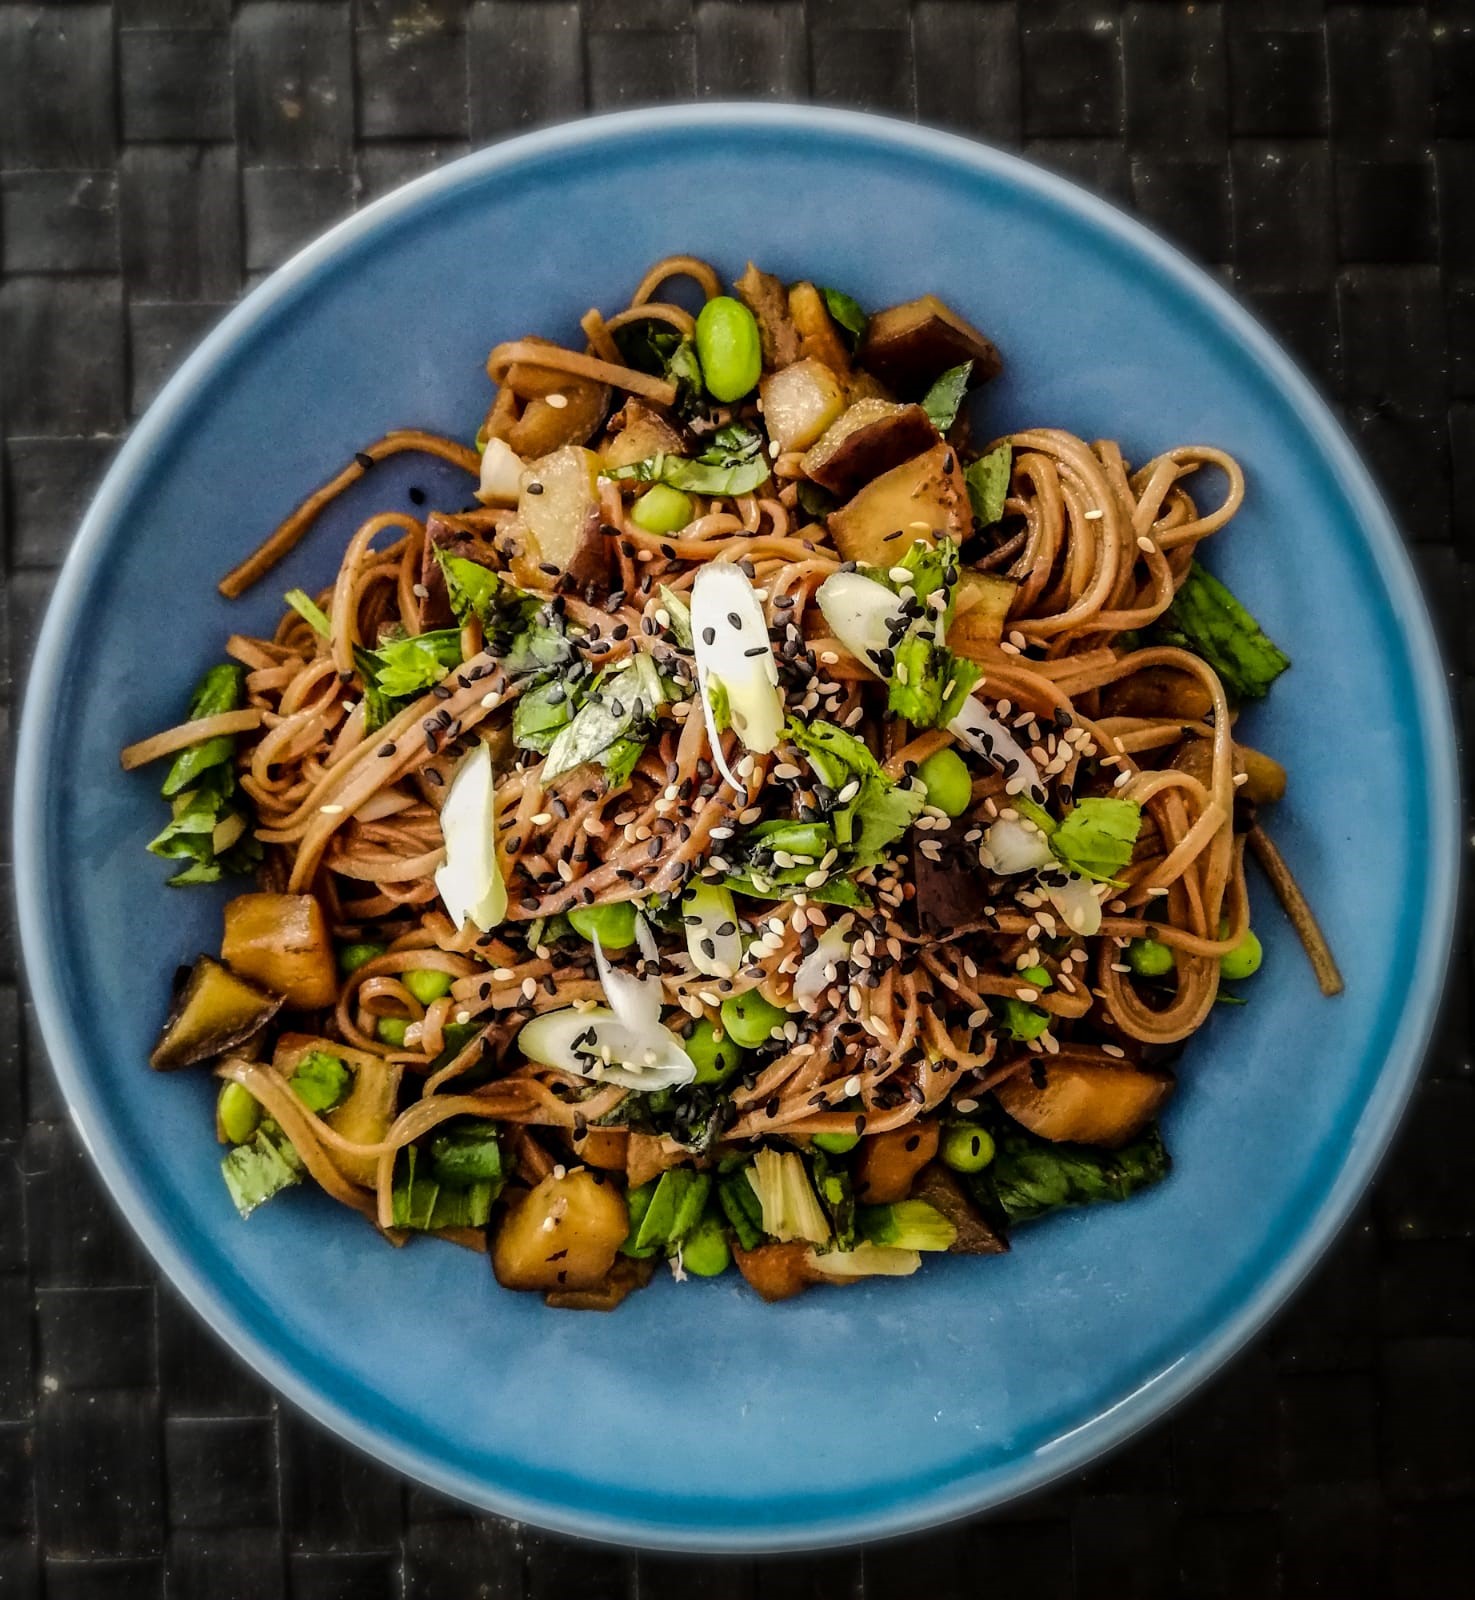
{"type": "Point", "coordinates": [847, 314]}
{"type": "Point", "coordinates": [517, 628]}
{"type": "Point", "coordinates": [1208, 620]}
{"type": "Point", "coordinates": [942, 400]}
{"type": "Point", "coordinates": [465, 1152]}
{"type": "Point", "coordinates": [733, 463]}
{"type": "Point", "coordinates": [988, 484]}
{"type": "Point", "coordinates": [309, 610]}
{"type": "Point", "coordinates": [620, 699]}
{"type": "Point", "coordinates": [540, 714]}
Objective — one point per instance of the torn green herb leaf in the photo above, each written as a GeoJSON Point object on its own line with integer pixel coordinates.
{"type": "Point", "coordinates": [1206, 619]}
{"type": "Point", "coordinates": [988, 484]}
{"type": "Point", "coordinates": [942, 400]}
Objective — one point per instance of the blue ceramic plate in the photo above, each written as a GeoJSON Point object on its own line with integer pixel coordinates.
{"type": "Point", "coordinates": [698, 1417]}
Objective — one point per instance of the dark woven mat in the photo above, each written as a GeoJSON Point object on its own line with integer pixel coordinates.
{"type": "Point", "coordinates": [157, 157]}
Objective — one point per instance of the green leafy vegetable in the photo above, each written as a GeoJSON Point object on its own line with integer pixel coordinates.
{"type": "Point", "coordinates": [1030, 1177]}
{"type": "Point", "coordinates": [1096, 836]}
{"type": "Point", "coordinates": [716, 693]}
{"type": "Point", "coordinates": [837, 1195]}
{"type": "Point", "coordinates": [814, 501]}
{"type": "Point", "coordinates": [466, 1152]}
{"type": "Point", "coordinates": [879, 811]}
{"type": "Point", "coordinates": [402, 669]}
{"type": "Point", "coordinates": [733, 463]}
{"type": "Point", "coordinates": [618, 710]}
{"type": "Point", "coordinates": [541, 713]}
{"type": "Point", "coordinates": [422, 1202]}
{"type": "Point", "coordinates": [680, 614]}
{"type": "Point", "coordinates": [847, 313]}
{"type": "Point", "coordinates": [942, 400]}
{"type": "Point", "coordinates": [209, 829]}
{"type": "Point", "coordinates": [265, 1165]}
{"type": "Point", "coordinates": [321, 1081]}
{"type": "Point", "coordinates": [217, 692]}
{"type": "Point", "coordinates": [620, 759]}
{"type": "Point", "coordinates": [928, 684]}
{"type": "Point", "coordinates": [518, 628]}
{"type": "Point", "coordinates": [673, 1208]}
{"type": "Point", "coordinates": [309, 610]}
{"type": "Point", "coordinates": [1206, 619]}
{"type": "Point", "coordinates": [655, 347]}
{"type": "Point", "coordinates": [988, 484]}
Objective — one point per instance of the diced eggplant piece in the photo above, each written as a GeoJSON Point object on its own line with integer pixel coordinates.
{"type": "Point", "coordinates": [558, 522]}
{"type": "Point", "coordinates": [767, 299]}
{"type": "Point", "coordinates": [818, 335]}
{"type": "Point", "coordinates": [941, 1190]}
{"type": "Point", "coordinates": [869, 438]}
{"type": "Point", "coordinates": [626, 1276]}
{"type": "Point", "coordinates": [646, 433]}
{"type": "Point", "coordinates": [1158, 692]}
{"type": "Point", "coordinates": [605, 1148]}
{"type": "Point", "coordinates": [800, 402]}
{"type": "Point", "coordinates": [950, 890]}
{"type": "Point", "coordinates": [888, 1162]}
{"type": "Point", "coordinates": [281, 941]}
{"type": "Point", "coordinates": [1265, 778]}
{"type": "Point", "coordinates": [910, 346]}
{"type": "Point", "coordinates": [369, 1108]}
{"type": "Point", "coordinates": [980, 611]}
{"type": "Point", "coordinates": [647, 1157]}
{"type": "Point", "coordinates": [562, 1234]}
{"type": "Point", "coordinates": [214, 1011]}
{"type": "Point", "coordinates": [863, 385]}
{"type": "Point", "coordinates": [921, 498]}
{"type": "Point", "coordinates": [544, 424]}
{"type": "Point", "coordinates": [776, 1271]}
{"type": "Point", "coordinates": [1084, 1100]}
{"type": "Point", "coordinates": [455, 538]}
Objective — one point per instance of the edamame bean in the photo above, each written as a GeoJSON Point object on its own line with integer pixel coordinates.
{"type": "Point", "coordinates": [705, 1251]}
{"type": "Point", "coordinates": [614, 924]}
{"type": "Point", "coordinates": [1149, 958]}
{"type": "Point", "coordinates": [1244, 960]}
{"type": "Point", "coordinates": [662, 509]}
{"type": "Point", "coordinates": [237, 1113]}
{"type": "Point", "coordinates": [966, 1148]}
{"type": "Point", "coordinates": [949, 785]}
{"type": "Point", "coordinates": [728, 348]}
{"type": "Point", "coordinates": [835, 1144]}
{"type": "Point", "coordinates": [426, 984]}
{"type": "Point", "coordinates": [748, 1019]}
{"type": "Point", "coordinates": [714, 1058]}
{"type": "Point", "coordinates": [352, 956]}
{"type": "Point", "coordinates": [391, 1030]}
{"type": "Point", "coordinates": [1038, 976]}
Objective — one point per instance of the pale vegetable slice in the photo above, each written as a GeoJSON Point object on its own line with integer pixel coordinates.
{"type": "Point", "coordinates": [865, 1261]}
{"type": "Point", "coordinates": [866, 616]}
{"type": "Point", "coordinates": [733, 651]}
{"type": "Point", "coordinates": [833, 948]}
{"type": "Point", "coordinates": [470, 881]}
{"type": "Point", "coordinates": [986, 735]}
{"type": "Point", "coordinates": [595, 1044]}
{"type": "Point", "coordinates": [635, 1001]}
{"type": "Point", "coordinates": [1012, 846]}
{"type": "Point", "coordinates": [501, 474]}
{"type": "Point", "coordinates": [790, 1207]}
{"type": "Point", "coordinates": [707, 910]}
{"type": "Point", "coordinates": [1077, 900]}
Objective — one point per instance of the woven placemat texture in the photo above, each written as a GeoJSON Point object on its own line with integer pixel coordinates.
{"type": "Point", "coordinates": [158, 157]}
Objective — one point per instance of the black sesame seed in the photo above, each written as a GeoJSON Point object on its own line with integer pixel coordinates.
{"type": "Point", "coordinates": [364, 459]}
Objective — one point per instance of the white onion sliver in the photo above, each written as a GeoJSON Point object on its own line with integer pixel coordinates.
{"type": "Point", "coordinates": [470, 880]}
{"type": "Point", "coordinates": [1013, 846]}
{"type": "Point", "coordinates": [864, 615]}
{"type": "Point", "coordinates": [832, 948]}
{"type": "Point", "coordinates": [643, 1061]}
{"type": "Point", "coordinates": [635, 1001]}
{"type": "Point", "coordinates": [978, 728]}
{"type": "Point", "coordinates": [1077, 901]}
{"type": "Point", "coordinates": [706, 907]}
{"type": "Point", "coordinates": [721, 592]}
{"type": "Point", "coordinates": [501, 474]}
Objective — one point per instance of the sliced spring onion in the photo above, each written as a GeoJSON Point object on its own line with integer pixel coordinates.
{"type": "Point", "coordinates": [470, 881]}
{"type": "Point", "coordinates": [595, 1044]}
{"type": "Point", "coordinates": [733, 650]}
{"type": "Point", "coordinates": [791, 1210]}
{"type": "Point", "coordinates": [866, 1261]}
{"type": "Point", "coordinates": [501, 474]}
{"type": "Point", "coordinates": [1077, 900]}
{"type": "Point", "coordinates": [978, 728]}
{"type": "Point", "coordinates": [833, 948]}
{"type": "Point", "coordinates": [636, 1001]}
{"type": "Point", "coordinates": [1009, 846]}
{"type": "Point", "coordinates": [866, 616]}
{"type": "Point", "coordinates": [712, 938]}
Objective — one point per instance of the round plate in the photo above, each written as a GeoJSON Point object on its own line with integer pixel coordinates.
{"type": "Point", "coordinates": [698, 1417]}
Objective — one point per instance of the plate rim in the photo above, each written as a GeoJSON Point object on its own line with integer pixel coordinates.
{"type": "Point", "coordinates": [1377, 1123]}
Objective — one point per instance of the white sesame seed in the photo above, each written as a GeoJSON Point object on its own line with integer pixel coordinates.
{"type": "Point", "coordinates": [852, 1086]}
{"type": "Point", "coordinates": [1144, 543]}
{"type": "Point", "coordinates": [1241, 777]}
{"type": "Point", "coordinates": [557, 401]}
{"type": "Point", "coordinates": [492, 700]}
{"type": "Point", "coordinates": [1095, 514]}
{"type": "Point", "coordinates": [1114, 1050]}
{"type": "Point", "coordinates": [331, 811]}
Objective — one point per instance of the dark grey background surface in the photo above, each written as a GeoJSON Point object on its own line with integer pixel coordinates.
{"type": "Point", "coordinates": [158, 157]}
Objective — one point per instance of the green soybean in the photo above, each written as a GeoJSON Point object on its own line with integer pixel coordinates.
{"type": "Point", "coordinates": [662, 509]}
{"type": "Point", "coordinates": [237, 1113]}
{"type": "Point", "coordinates": [966, 1148]}
{"type": "Point", "coordinates": [714, 1058]}
{"type": "Point", "coordinates": [613, 924]}
{"type": "Point", "coordinates": [949, 784]}
{"type": "Point", "coordinates": [391, 1030]}
{"type": "Point", "coordinates": [426, 984]}
{"type": "Point", "coordinates": [1149, 958]}
{"type": "Point", "coordinates": [835, 1144]}
{"type": "Point", "coordinates": [748, 1019]}
{"type": "Point", "coordinates": [1244, 960]}
{"type": "Point", "coordinates": [352, 956]}
{"type": "Point", "coordinates": [1038, 976]}
{"type": "Point", "coordinates": [728, 348]}
{"type": "Point", "coordinates": [705, 1250]}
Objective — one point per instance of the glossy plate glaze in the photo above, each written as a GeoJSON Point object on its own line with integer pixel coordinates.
{"type": "Point", "coordinates": [697, 1417]}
